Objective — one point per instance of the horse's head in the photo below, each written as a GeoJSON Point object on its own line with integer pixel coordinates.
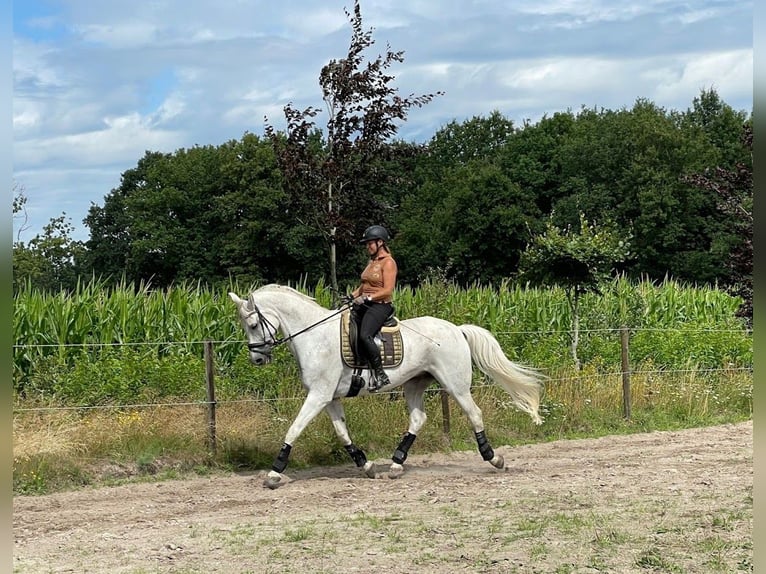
{"type": "Point", "coordinates": [261, 333]}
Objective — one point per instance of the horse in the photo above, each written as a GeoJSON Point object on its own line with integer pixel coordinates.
{"type": "Point", "coordinates": [435, 350]}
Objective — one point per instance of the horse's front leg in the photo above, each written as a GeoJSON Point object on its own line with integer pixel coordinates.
{"type": "Point", "coordinates": [338, 418]}
{"type": "Point", "coordinates": [313, 404]}
{"type": "Point", "coordinates": [413, 394]}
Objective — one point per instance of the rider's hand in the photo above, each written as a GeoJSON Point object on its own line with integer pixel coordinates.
{"type": "Point", "coordinates": [346, 299]}
{"type": "Point", "coordinates": [361, 300]}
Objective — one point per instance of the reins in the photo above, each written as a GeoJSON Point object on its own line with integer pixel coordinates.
{"type": "Point", "coordinates": [285, 339]}
{"type": "Point", "coordinates": [273, 330]}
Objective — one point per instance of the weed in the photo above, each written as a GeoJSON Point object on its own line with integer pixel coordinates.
{"type": "Point", "coordinates": [299, 534]}
{"type": "Point", "coordinates": [652, 559]}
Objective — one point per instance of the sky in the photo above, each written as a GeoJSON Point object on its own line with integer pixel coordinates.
{"type": "Point", "coordinates": [97, 84]}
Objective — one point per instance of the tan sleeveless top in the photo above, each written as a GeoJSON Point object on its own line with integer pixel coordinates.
{"type": "Point", "coordinates": [372, 276]}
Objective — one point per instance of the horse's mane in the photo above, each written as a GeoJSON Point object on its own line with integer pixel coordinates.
{"type": "Point", "coordinates": [275, 287]}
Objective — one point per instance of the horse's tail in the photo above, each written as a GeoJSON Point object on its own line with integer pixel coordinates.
{"type": "Point", "coordinates": [524, 384]}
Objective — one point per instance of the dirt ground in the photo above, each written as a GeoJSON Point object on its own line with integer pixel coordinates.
{"type": "Point", "coordinates": [653, 502]}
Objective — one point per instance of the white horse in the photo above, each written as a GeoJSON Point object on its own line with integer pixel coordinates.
{"type": "Point", "coordinates": [434, 350]}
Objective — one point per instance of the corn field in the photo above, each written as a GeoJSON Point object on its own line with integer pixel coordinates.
{"type": "Point", "coordinates": [124, 342]}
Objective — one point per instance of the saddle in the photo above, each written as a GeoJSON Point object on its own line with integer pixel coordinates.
{"type": "Point", "coordinates": [389, 341]}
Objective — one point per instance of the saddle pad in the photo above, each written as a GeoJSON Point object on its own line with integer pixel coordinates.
{"type": "Point", "coordinates": [390, 346]}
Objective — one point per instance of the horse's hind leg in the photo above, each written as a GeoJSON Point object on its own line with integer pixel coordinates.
{"type": "Point", "coordinates": [413, 394]}
{"type": "Point", "coordinates": [473, 412]}
{"type": "Point", "coordinates": [335, 410]}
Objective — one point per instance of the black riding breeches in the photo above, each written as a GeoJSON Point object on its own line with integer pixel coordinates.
{"type": "Point", "coordinates": [370, 318]}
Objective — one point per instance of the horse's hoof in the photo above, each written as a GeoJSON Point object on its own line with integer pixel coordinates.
{"type": "Point", "coordinates": [498, 462]}
{"type": "Point", "coordinates": [396, 470]}
{"type": "Point", "coordinates": [369, 469]}
{"type": "Point", "coordinates": [272, 480]}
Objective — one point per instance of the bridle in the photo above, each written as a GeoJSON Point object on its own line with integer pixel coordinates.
{"type": "Point", "coordinates": [269, 331]}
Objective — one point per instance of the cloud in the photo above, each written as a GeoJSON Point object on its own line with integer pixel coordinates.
{"type": "Point", "coordinates": [122, 137]}
{"type": "Point", "coordinates": [729, 73]}
{"type": "Point", "coordinates": [96, 84]}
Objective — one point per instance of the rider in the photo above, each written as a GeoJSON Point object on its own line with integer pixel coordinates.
{"type": "Point", "coordinates": [373, 299]}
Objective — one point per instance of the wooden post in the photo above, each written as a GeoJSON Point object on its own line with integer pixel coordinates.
{"type": "Point", "coordinates": [445, 412]}
{"type": "Point", "coordinates": [210, 396]}
{"type": "Point", "coordinates": [624, 339]}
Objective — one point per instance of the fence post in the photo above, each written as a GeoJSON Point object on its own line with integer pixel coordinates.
{"type": "Point", "coordinates": [210, 396]}
{"type": "Point", "coordinates": [445, 412]}
{"type": "Point", "coordinates": [624, 340]}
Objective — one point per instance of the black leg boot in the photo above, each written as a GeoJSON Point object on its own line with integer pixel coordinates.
{"type": "Point", "coordinates": [380, 378]}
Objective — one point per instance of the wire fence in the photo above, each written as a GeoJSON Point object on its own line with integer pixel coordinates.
{"type": "Point", "coordinates": [613, 330]}
{"type": "Point", "coordinates": [266, 400]}
{"type": "Point", "coordinates": [211, 402]}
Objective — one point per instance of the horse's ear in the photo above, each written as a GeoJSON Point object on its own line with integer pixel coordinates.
{"type": "Point", "coordinates": [235, 298]}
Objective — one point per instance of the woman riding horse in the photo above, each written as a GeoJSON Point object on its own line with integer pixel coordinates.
{"type": "Point", "coordinates": [373, 299]}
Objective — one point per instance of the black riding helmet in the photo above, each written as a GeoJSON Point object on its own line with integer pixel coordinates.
{"type": "Point", "coordinates": [375, 232]}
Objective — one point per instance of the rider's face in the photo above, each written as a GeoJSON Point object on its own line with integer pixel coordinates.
{"type": "Point", "coordinates": [372, 246]}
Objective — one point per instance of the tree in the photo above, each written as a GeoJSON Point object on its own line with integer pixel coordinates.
{"type": "Point", "coordinates": [477, 138]}
{"type": "Point", "coordinates": [734, 188]}
{"type": "Point", "coordinates": [719, 124]}
{"type": "Point", "coordinates": [471, 224]}
{"type": "Point", "coordinates": [577, 260]}
{"type": "Point", "coordinates": [628, 165]}
{"type": "Point", "coordinates": [467, 219]}
{"type": "Point", "coordinates": [50, 261]}
{"type": "Point", "coordinates": [331, 180]}
{"type": "Point", "coordinates": [532, 158]}
{"type": "Point", "coordinates": [255, 236]}
{"type": "Point", "coordinates": [205, 213]}
{"type": "Point", "coordinates": [20, 209]}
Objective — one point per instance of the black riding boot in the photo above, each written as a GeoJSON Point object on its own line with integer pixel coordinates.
{"type": "Point", "coordinates": [381, 378]}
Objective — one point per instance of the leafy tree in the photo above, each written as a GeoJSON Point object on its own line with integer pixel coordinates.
{"type": "Point", "coordinates": [256, 237]}
{"type": "Point", "coordinates": [734, 188]}
{"type": "Point", "coordinates": [332, 180]}
{"type": "Point", "coordinates": [465, 219]}
{"type": "Point", "coordinates": [111, 237]}
{"type": "Point", "coordinates": [50, 261]}
{"type": "Point", "coordinates": [472, 225]}
{"type": "Point", "coordinates": [577, 260]}
{"type": "Point", "coordinates": [532, 158]}
{"type": "Point", "coordinates": [628, 165]}
{"type": "Point", "coordinates": [478, 138]}
{"type": "Point", "coordinates": [719, 125]}
{"type": "Point", "coordinates": [198, 214]}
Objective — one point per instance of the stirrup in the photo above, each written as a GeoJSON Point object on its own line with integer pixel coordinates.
{"type": "Point", "coordinates": [375, 383]}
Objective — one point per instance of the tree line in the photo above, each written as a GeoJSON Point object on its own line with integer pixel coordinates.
{"type": "Point", "coordinates": [466, 205]}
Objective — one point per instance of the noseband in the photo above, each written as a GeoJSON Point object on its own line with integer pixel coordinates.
{"type": "Point", "coordinates": [268, 330]}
